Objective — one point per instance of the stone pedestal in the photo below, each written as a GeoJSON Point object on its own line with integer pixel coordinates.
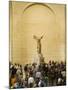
{"type": "Point", "coordinates": [41, 58]}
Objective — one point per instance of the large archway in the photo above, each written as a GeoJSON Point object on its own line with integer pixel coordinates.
{"type": "Point", "coordinates": [36, 19]}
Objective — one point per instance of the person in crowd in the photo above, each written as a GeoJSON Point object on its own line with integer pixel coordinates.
{"type": "Point", "coordinates": [34, 75]}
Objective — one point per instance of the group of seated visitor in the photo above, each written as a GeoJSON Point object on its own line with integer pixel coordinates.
{"type": "Point", "coordinates": [32, 75]}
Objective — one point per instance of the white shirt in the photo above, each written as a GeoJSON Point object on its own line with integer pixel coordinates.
{"type": "Point", "coordinates": [38, 74]}
{"type": "Point", "coordinates": [30, 80]}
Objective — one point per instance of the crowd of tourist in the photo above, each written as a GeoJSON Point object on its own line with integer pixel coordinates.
{"type": "Point", "coordinates": [32, 75]}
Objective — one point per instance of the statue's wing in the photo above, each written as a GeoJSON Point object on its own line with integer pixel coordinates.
{"type": "Point", "coordinates": [35, 37]}
{"type": "Point", "coordinates": [42, 35]}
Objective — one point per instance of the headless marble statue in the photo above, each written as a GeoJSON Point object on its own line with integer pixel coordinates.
{"type": "Point", "coordinates": [40, 56]}
{"type": "Point", "coordinates": [38, 43]}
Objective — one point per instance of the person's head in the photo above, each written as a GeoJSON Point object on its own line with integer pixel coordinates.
{"type": "Point", "coordinates": [42, 84]}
